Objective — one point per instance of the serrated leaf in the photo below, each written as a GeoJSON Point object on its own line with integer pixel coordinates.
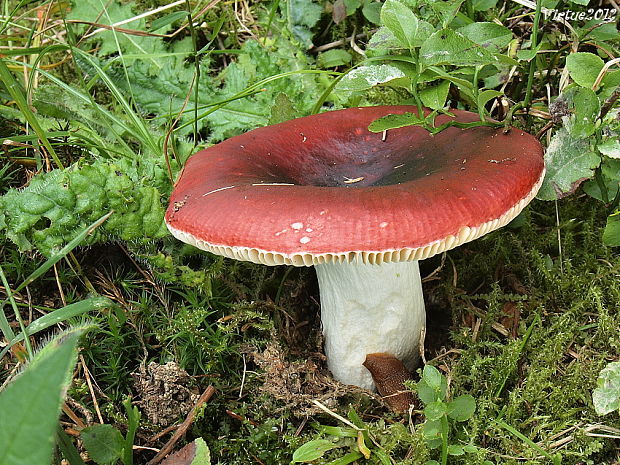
{"type": "Point", "coordinates": [435, 96]}
{"type": "Point", "coordinates": [282, 110]}
{"type": "Point", "coordinates": [584, 67]}
{"type": "Point", "coordinates": [79, 195]}
{"type": "Point", "coordinates": [32, 403]}
{"type": "Point", "coordinates": [611, 234]}
{"type": "Point", "coordinates": [487, 35]}
{"type": "Point", "coordinates": [104, 443]}
{"type": "Point", "coordinates": [462, 408]}
{"type": "Point", "coordinates": [401, 21]}
{"type": "Point", "coordinates": [368, 76]}
{"type": "Point", "coordinates": [301, 17]}
{"type": "Point", "coordinates": [312, 450]}
{"type": "Point", "coordinates": [449, 47]}
{"type": "Point", "coordinates": [112, 42]}
{"type": "Point", "coordinates": [569, 162]}
{"type": "Point", "coordinates": [606, 396]}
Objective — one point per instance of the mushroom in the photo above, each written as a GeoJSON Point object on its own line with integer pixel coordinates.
{"type": "Point", "coordinates": [362, 208]}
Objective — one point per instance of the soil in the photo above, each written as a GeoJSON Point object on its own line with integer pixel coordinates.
{"type": "Point", "coordinates": [166, 392]}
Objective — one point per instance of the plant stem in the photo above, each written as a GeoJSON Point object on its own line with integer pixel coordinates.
{"type": "Point", "coordinates": [534, 43]}
{"type": "Point", "coordinates": [476, 92]}
{"type": "Point", "coordinates": [192, 32]}
{"type": "Point", "coordinates": [444, 439]}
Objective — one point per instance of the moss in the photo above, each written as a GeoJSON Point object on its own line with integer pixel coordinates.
{"type": "Point", "coordinates": [569, 303]}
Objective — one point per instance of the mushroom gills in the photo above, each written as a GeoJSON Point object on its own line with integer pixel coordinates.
{"type": "Point", "coordinates": [370, 308]}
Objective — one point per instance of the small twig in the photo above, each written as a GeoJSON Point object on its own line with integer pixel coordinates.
{"type": "Point", "coordinates": [245, 369]}
{"type": "Point", "coordinates": [545, 128]}
{"type": "Point", "coordinates": [337, 43]}
{"type": "Point", "coordinates": [183, 427]}
{"type": "Point", "coordinates": [87, 375]}
{"type": "Point", "coordinates": [355, 47]}
{"type": "Point", "coordinates": [335, 415]}
{"type": "Point", "coordinates": [609, 103]}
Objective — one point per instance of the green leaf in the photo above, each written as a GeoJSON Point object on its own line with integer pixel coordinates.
{"type": "Point", "coordinates": [372, 11]}
{"type": "Point", "coordinates": [435, 410]}
{"type": "Point", "coordinates": [486, 95]}
{"type": "Point", "coordinates": [60, 315]}
{"type": "Point", "coordinates": [346, 459]}
{"type": "Point", "coordinates": [202, 455]}
{"type": "Point", "coordinates": [610, 147]}
{"type": "Point", "coordinates": [312, 450]}
{"type": "Point", "coordinates": [104, 443]}
{"type": "Point", "coordinates": [282, 110]}
{"type": "Point", "coordinates": [433, 377]}
{"type": "Point", "coordinates": [32, 403]}
{"type": "Point", "coordinates": [401, 21]}
{"type": "Point", "coordinates": [337, 431]}
{"type": "Point", "coordinates": [368, 76]}
{"type": "Point", "coordinates": [569, 162]}
{"type": "Point", "coordinates": [584, 67]}
{"type": "Point", "coordinates": [334, 57]}
{"type": "Point", "coordinates": [487, 35]}
{"type": "Point", "coordinates": [448, 47]}
{"type": "Point", "coordinates": [425, 393]}
{"type": "Point", "coordinates": [76, 197]}
{"type": "Point", "coordinates": [435, 96]}
{"type": "Point", "coordinates": [483, 5]}
{"type": "Point", "coordinates": [446, 10]}
{"type": "Point", "coordinates": [586, 108]}
{"type": "Point", "coordinates": [462, 408]}
{"type": "Point", "coordinates": [611, 234]}
{"type": "Point", "coordinates": [528, 54]}
{"type": "Point", "coordinates": [167, 20]}
{"type": "Point", "coordinates": [431, 431]}
{"type": "Point", "coordinates": [302, 16]}
{"type": "Point", "coordinates": [394, 121]}
{"type": "Point", "coordinates": [606, 396]}
{"type": "Point", "coordinates": [455, 450]}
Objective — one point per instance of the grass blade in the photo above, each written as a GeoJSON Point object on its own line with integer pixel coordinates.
{"type": "Point", "coordinates": [63, 252]}
{"type": "Point", "coordinates": [15, 91]}
{"type": "Point", "coordinates": [58, 316]}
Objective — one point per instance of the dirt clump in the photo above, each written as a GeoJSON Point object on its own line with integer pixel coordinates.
{"type": "Point", "coordinates": [166, 392]}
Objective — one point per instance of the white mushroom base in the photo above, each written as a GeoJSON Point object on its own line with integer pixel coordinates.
{"type": "Point", "coordinates": [367, 309]}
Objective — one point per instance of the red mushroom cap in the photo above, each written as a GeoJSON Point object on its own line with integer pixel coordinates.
{"type": "Point", "coordinates": [323, 188]}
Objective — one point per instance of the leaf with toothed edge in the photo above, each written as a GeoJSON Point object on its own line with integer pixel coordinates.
{"type": "Point", "coordinates": [569, 162]}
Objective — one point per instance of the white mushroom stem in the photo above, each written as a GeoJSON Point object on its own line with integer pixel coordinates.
{"type": "Point", "coordinates": [367, 309]}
